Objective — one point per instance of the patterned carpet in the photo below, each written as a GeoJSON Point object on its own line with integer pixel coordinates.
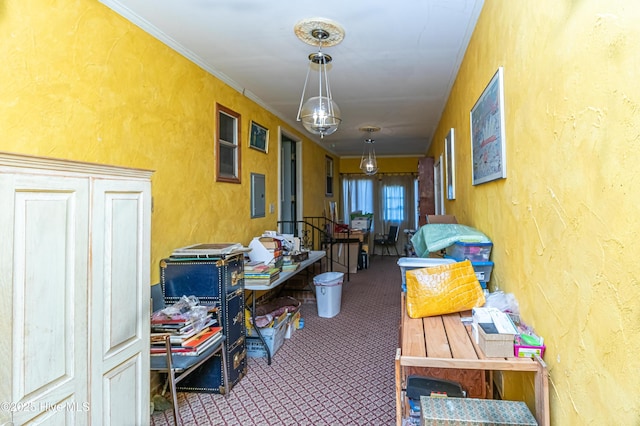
{"type": "Point", "coordinates": [334, 371]}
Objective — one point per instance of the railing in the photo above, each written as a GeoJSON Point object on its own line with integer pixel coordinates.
{"type": "Point", "coordinates": [320, 233]}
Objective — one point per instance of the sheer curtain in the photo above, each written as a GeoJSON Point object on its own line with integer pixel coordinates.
{"type": "Point", "coordinates": [358, 195]}
{"type": "Point", "coordinates": [395, 203]}
{"type": "Point", "coordinates": [391, 199]}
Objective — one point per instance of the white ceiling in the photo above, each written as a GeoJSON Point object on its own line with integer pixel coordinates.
{"type": "Point", "coordinates": [394, 69]}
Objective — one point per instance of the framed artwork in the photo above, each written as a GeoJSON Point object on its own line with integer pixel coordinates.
{"type": "Point", "coordinates": [450, 161]}
{"type": "Point", "coordinates": [488, 148]}
{"type": "Point", "coordinates": [258, 137]}
{"type": "Point", "coordinates": [329, 175]}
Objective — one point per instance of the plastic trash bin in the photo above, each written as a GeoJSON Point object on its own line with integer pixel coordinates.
{"type": "Point", "coordinates": [328, 293]}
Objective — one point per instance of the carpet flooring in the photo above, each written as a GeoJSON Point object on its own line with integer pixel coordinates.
{"type": "Point", "coordinates": [334, 371]}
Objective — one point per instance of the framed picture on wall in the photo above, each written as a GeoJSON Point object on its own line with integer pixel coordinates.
{"type": "Point", "coordinates": [488, 147]}
{"type": "Point", "coordinates": [450, 161]}
{"type": "Point", "coordinates": [258, 137]}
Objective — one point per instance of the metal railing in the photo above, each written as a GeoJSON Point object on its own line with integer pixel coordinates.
{"type": "Point", "coordinates": [320, 233]}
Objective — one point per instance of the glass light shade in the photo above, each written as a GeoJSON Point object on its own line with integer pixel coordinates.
{"type": "Point", "coordinates": [368, 163]}
{"type": "Point", "coordinates": [320, 115]}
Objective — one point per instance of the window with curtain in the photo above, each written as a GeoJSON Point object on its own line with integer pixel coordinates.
{"type": "Point", "coordinates": [391, 199]}
{"type": "Point", "coordinates": [393, 203]}
{"type": "Point", "coordinates": [357, 196]}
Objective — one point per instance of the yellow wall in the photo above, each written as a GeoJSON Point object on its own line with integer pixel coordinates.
{"type": "Point", "coordinates": [564, 222]}
{"type": "Point", "coordinates": [80, 82]}
{"type": "Point", "coordinates": [385, 165]}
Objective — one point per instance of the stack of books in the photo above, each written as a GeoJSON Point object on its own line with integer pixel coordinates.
{"type": "Point", "coordinates": [289, 265]}
{"type": "Point", "coordinates": [187, 337]}
{"type": "Point", "coordinates": [257, 273]}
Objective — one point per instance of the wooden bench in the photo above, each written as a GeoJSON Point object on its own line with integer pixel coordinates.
{"type": "Point", "coordinates": [444, 347]}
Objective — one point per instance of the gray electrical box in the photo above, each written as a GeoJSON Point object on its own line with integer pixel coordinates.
{"type": "Point", "coordinates": [258, 204]}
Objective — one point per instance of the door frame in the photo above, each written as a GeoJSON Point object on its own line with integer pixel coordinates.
{"type": "Point", "coordinates": [298, 177]}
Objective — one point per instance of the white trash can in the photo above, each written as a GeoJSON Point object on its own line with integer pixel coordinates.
{"type": "Point", "coordinates": [328, 293]}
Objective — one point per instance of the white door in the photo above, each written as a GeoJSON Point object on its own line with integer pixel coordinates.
{"type": "Point", "coordinates": [43, 281]}
{"type": "Point", "coordinates": [120, 299]}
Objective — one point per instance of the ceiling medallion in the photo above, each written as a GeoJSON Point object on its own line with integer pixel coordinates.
{"type": "Point", "coordinates": [305, 31]}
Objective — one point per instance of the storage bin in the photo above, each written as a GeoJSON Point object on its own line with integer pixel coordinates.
{"type": "Point", "coordinates": [408, 263]}
{"type": "Point", "coordinates": [483, 270]}
{"type": "Point", "coordinates": [475, 252]}
{"type": "Point", "coordinates": [473, 411]}
{"type": "Point", "coordinates": [273, 337]}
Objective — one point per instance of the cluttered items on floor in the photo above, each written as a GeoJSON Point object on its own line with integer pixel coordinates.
{"type": "Point", "coordinates": [274, 320]}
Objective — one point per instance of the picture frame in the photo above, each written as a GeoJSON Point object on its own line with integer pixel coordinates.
{"type": "Point", "coordinates": [259, 137]}
{"type": "Point", "coordinates": [488, 145]}
{"type": "Point", "coordinates": [450, 164]}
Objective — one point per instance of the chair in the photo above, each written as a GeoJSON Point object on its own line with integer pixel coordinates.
{"type": "Point", "coordinates": [386, 241]}
{"type": "Point", "coordinates": [177, 367]}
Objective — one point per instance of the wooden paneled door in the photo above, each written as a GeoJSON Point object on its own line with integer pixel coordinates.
{"type": "Point", "coordinates": [43, 282]}
{"type": "Point", "coordinates": [74, 279]}
{"type": "Point", "coordinates": [119, 308]}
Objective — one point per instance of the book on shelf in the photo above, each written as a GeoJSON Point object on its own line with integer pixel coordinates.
{"type": "Point", "coordinates": [184, 328]}
{"type": "Point", "coordinates": [182, 351]}
{"type": "Point", "coordinates": [256, 266]}
{"type": "Point", "coordinates": [271, 275]}
{"type": "Point", "coordinates": [288, 267]}
{"type": "Point", "coordinates": [272, 270]}
{"type": "Point", "coordinates": [192, 331]}
{"type": "Point", "coordinates": [192, 346]}
{"type": "Point", "coordinates": [201, 337]}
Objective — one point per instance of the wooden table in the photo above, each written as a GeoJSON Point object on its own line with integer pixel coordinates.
{"type": "Point", "coordinates": [444, 342]}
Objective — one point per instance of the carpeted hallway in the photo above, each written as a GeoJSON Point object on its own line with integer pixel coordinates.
{"type": "Point", "coordinates": [334, 371]}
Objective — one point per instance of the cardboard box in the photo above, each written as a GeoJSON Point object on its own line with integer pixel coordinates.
{"type": "Point", "coordinates": [341, 252]}
{"type": "Point", "coordinates": [474, 412]}
{"type": "Point", "coordinates": [495, 344]}
{"type": "Point", "coordinates": [362, 224]}
{"type": "Point", "coordinates": [441, 218]}
{"type": "Point", "coordinates": [293, 325]}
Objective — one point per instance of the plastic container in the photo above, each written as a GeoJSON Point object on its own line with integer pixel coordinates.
{"type": "Point", "coordinates": [483, 270]}
{"type": "Point", "coordinates": [328, 293]}
{"type": "Point", "coordinates": [273, 337]}
{"type": "Point", "coordinates": [475, 252]}
{"type": "Point", "coordinates": [408, 263]}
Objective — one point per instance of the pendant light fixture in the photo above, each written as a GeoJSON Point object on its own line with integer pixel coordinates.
{"type": "Point", "coordinates": [368, 163]}
{"type": "Point", "coordinates": [320, 115]}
